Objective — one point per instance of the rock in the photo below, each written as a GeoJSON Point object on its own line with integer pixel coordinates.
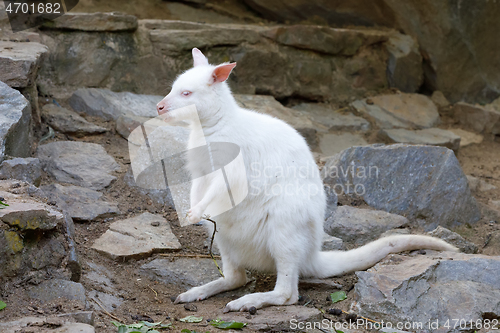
{"type": "Point", "coordinates": [69, 122]}
{"type": "Point", "coordinates": [492, 247]}
{"type": "Point", "coordinates": [477, 118]}
{"type": "Point", "coordinates": [331, 144]}
{"type": "Point", "coordinates": [50, 290]}
{"type": "Point", "coordinates": [495, 105]}
{"type": "Point", "coordinates": [419, 182]}
{"type": "Point", "coordinates": [466, 138]}
{"type": "Point", "coordinates": [172, 42]}
{"type": "Point", "coordinates": [345, 42]}
{"type": "Point", "coordinates": [30, 215]}
{"type": "Point", "coordinates": [20, 325]}
{"type": "Point", "coordinates": [463, 35]}
{"type": "Point", "coordinates": [404, 67]}
{"type": "Point", "coordinates": [184, 272]}
{"type": "Point", "coordinates": [26, 169]}
{"type": "Point", "coordinates": [110, 302]}
{"type": "Point", "coordinates": [84, 317]}
{"type": "Point", "coordinates": [325, 117]}
{"type": "Point", "coordinates": [331, 243]}
{"type": "Point", "coordinates": [110, 105]}
{"type": "Point", "coordinates": [360, 226]}
{"type": "Point", "coordinates": [82, 204]}
{"type": "Point", "coordinates": [137, 238]}
{"type": "Point", "coordinates": [400, 111]}
{"type": "Point", "coordinates": [15, 123]}
{"type": "Point", "coordinates": [447, 285]}
{"type": "Point", "coordinates": [440, 100]}
{"type": "Point", "coordinates": [454, 239]}
{"type": "Point", "coordinates": [93, 22]}
{"type": "Point", "coordinates": [270, 106]}
{"type": "Point", "coordinates": [30, 237]}
{"type": "Point", "coordinates": [125, 124]}
{"type": "Point", "coordinates": [404, 231]}
{"type": "Point", "coordinates": [428, 136]}
{"type": "Point", "coordinates": [19, 62]}
{"type": "Point", "coordinates": [78, 163]}
{"type": "Point", "coordinates": [161, 196]}
{"type": "Point", "coordinates": [476, 184]}
{"type": "Point", "coordinates": [278, 318]}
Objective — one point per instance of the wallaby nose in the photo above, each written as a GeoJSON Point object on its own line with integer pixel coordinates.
{"type": "Point", "coordinates": [161, 107]}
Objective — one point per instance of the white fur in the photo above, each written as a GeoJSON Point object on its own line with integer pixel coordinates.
{"type": "Point", "coordinates": [280, 232]}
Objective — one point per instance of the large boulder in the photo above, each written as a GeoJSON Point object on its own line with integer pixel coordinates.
{"type": "Point", "coordinates": [451, 35]}
{"type": "Point", "coordinates": [69, 122]}
{"type": "Point", "coordinates": [93, 22]}
{"type": "Point", "coordinates": [15, 123]}
{"type": "Point", "coordinates": [27, 169]}
{"type": "Point", "coordinates": [423, 183]}
{"type": "Point", "coordinates": [477, 118]}
{"type": "Point", "coordinates": [444, 290]}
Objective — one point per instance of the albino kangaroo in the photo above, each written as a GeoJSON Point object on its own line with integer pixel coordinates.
{"type": "Point", "coordinates": [278, 227]}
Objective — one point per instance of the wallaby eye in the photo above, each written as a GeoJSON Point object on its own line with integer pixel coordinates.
{"type": "Point", "coordinates": [186, 93]}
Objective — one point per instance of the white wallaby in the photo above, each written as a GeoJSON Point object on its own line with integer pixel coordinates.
{"type": "Point", "coordinates": [278, 227]}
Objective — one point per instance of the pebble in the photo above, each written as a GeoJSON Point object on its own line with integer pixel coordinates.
{"type": "Point", "coordinates": [190, 307]}
{"type": "Point", "coordinates": [335, 312]}
{"type": "Point", "coordinates": [252, 310]}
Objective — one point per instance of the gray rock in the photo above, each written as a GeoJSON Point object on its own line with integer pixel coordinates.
{"type": "Point", "coordinates": [161, 196]}
{"type": "Point", "coordinates": [30, 215]}
{"type": "Point", "coordinates": [326, 117]}
{"type": "Point", "coordinates": [125, 124]}
{"type": "Point", "coordinates": [277, 318]}
{"type": "Point", "coordinates": [84, 317]}
{"type": "Point", "coordinates": [400, 111]}
{"type": "Point", "coordinates": [93, 22]}
{"type": "Point", "coordinates": [403, 231]}
{"type": "Point", "coordinates": [359, 226]}
{"type": "Point", "coordinates": [467, 138]}
{"type": "Point", "coordinates": [137, 238]}
{"type": "Point", "coordinates": [423, 183]}
{"type": "Point", "coordinates": [428, 136]}
{"type": "Point", "coordinates": [477, 118]}
{"type": "Point", "coordinates": [173, 42]}
{"type": "Point", "coordinates": [78, 163]}
{"type": "Point", "coordinates": [454, 239]}
{"type": "Point", "coordinates": [110, 302]}
{"type": "Point", "coordinates": [440, 99]}
{"type": "Point", "coordinates": [345, 42]}
{"type": "Point", "coordinates": [15, 123]}
{"type": "Point", "coordinates": [476, 184]}
{"type": "Point", "coordinates": [26, 169]}
{"type": "Point", "coordinates": [69, 122]}
{"type": "Point", "coordinates": [111, 105]}
{"type": "Point", "coordinates": [404, 67]}
{"type": "Point", "coordinates": [19, 62]}
{"type": "Point", "coordinates": [184, 272]}
{"type": "Point", "coordinates": [331, 144]}
{"type": "Point", "coordinates": [50, 290]}
{"type": "Point", "coordinates": [270, 106]}
{"type": "Point", "coordinates": [331, 243]}
{"type": "Point", "coordinates": [82, 204]}
{"type": "Point", "coordinates": [20, 325]}
{"type": "Point", "coordinates": [441, 286]}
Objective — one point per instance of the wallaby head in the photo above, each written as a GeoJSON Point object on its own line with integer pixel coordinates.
{"type": "Point", "coordinates": [203, 86]}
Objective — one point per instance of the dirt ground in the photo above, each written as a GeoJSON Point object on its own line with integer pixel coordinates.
{"type": "Point", "coordinates": [143, 297]}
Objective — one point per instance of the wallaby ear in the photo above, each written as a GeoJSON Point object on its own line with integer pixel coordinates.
{"type": "Point", "coordinates": [221, 72]}
{"type": "Point", "coordinates": [199, 58]}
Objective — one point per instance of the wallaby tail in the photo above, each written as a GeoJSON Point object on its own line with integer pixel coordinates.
{"type": "Point", "coordinates": [335, 263]}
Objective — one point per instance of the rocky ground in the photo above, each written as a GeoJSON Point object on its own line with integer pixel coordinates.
{"type": "Point", "coordinates": [84, 244]}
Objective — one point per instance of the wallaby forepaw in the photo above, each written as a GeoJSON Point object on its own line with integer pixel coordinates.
{"type": "Point", "coordinates": [189, 296]}
{"type": "Point", "coordinates": [194, 215]}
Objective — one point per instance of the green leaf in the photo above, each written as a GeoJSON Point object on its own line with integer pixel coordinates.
{"type": "Point", "coordinates": [339, 331]}
{"type": "Point", "coordinates": [3, 204]}
{"type": "Point", "coordinates": [117, 324]}
{"type": "Point", "coordinates": [225, 325]}
{"type": "Point", "coordinates": [338, 296]}
{"type": "Point", "coordinates": [2, 305]}
{"type": "Point", "coordinates": [191, 319]}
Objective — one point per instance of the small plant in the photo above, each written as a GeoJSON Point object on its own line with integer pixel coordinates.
{"type": "Point", "coordinates": [3, 204]}
{"type": "Point", "coordinates": [338, 296]}
{"type": "Point", "coordinates": [2, 305]}
{"type": "Point", "coordinates": [226, 325]}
